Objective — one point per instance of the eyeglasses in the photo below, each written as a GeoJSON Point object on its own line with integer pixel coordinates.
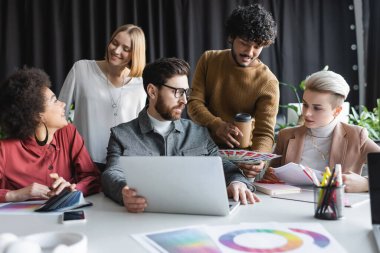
{"type": "Point", "coordinates": [178, 92]}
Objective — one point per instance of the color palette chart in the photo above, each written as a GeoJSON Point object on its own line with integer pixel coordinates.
{"type": "Point", "coordinates": [245, 156]}
{"type": "Point", "coordinates": [26, 207]}
{"type": "Point", "coordinates": [249, 237]}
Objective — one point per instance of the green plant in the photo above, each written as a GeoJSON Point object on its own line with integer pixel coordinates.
{"type": "Point", "coordinates": [295, 108]}
{"type": "Point", "coordinates": [367, 119]}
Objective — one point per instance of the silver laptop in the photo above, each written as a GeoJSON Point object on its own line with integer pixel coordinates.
{"type": "Point", "coordinates": [179, 184]}
{"type": "Point", "coordinates": [374, 193]}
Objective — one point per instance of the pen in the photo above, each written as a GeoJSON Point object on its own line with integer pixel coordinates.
{"type": "Point", "coordinates": [327, 193]}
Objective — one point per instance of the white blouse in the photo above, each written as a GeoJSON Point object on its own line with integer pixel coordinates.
{"type": "Point", "coordinates": [95, 100]}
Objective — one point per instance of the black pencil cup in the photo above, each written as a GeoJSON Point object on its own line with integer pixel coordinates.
{"type": "Point", "coordinates": [328, 202]}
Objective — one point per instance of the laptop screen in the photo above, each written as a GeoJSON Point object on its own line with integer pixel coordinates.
{"type": "Point", "coordinates": [374, 185]}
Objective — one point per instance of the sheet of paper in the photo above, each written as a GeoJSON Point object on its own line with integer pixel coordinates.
{"type": "Point", "coordinates": [25, 207]}
{"type": "Point", "coordinates": [294, 174]}
{"type": "Point", "coordinates": [248, 237]}
{"type": "Point", "coordinates": [185, 239]}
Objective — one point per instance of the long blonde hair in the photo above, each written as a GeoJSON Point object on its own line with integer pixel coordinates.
{"type": "Point", "coordinates": [138, 58]}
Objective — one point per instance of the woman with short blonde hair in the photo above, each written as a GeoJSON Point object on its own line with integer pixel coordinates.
{"type": "Point", "coordinates": [324, 140]}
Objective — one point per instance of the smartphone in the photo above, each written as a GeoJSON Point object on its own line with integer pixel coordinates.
{"type": "Point", "coordinates": [72, 217]}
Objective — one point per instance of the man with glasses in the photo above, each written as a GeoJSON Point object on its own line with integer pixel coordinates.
{"type": "Point", "coordinates": [227, 82]}
{"type": "Point", "coordinates": [160, 131]}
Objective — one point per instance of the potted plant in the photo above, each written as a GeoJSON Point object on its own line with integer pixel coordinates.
{"type": "Point", "coordinates": [367, 119]}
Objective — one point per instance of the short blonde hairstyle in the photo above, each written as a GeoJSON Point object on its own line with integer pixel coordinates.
{"type": "Point", "coordinates": [138, 59]}
{"type": "Point", "coordinates": [326, 81]}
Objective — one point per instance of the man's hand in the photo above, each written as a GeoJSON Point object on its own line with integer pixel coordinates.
{"type": "Point", "coordinates": [251, 170]}
{"type": "Point", "coordinates": [270, 177]}
{"type": "Point", "coordinates": [59, 184]}
{"type": "Point", "coordinates": [132, 202]}
{"type": "Point", "coordinates": [227, 134]}
{"type": "Point", "coordinates": [239, 191]}
{"type": "Point", "coordinates": [33, 191]}
{"type": "Point", "coordinates": [354, 182]}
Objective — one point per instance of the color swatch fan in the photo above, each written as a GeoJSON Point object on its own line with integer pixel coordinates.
{"type": "Point", "coordinates": [246, 156]}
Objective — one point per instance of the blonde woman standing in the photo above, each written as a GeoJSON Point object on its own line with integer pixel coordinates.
{"type": "Point", "coordinates": [107, 92]}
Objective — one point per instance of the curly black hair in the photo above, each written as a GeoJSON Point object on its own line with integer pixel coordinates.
{"type": "Point", "coordinates": [252, 23]}
{"type": "Point", "coordinates": [21, 102]}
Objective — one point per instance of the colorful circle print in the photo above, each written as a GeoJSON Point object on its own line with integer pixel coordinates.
{"type": "Point", "coordinates": [293, 241]}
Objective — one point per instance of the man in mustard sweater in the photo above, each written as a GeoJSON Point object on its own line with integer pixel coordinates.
{"type": "Point", "coordinates": [231, 81]}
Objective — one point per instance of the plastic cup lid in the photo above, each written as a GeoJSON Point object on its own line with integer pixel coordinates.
{"type": "Point", "coordinates": [242, 117]}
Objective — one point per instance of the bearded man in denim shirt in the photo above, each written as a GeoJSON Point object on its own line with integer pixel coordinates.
{"type": "Point", "coordinates": [160, 131]}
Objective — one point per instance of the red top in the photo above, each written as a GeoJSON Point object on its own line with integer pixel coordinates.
{"type": "Point", "coordinates": [25, 162]}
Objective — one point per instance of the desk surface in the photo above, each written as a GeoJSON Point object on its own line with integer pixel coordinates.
{"type": "Point", "coordinates": [109, 226]}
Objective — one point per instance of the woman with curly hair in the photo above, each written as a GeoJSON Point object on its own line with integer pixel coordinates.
{"type": "Point", "coordinates": [107, 92]}
{"type": "Point", "coordinates": [42, 154]}
{"type": "Point", "coordinates": [227, 82]}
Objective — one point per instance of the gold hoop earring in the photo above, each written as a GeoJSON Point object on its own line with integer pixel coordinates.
{"type": "Point", "coordinates": [42, 143]}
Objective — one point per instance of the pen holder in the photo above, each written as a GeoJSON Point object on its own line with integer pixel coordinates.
{"type": "Point", "coordinates": [329, 202]}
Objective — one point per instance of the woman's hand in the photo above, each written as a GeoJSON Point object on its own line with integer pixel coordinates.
{"type": "Point", "coordinates": [33, 191]}
{"type": "Point", "coordinates": [59, 184]}
{"type": "Point", "coordinates": [270, 177]}
{"type": "Point", "coordinates": [251, 170]}
{"type": "Point", "coordinates": [354, 182]}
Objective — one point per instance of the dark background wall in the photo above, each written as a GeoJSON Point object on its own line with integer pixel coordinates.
{"type": "Point", "coordinates": [53, 34]}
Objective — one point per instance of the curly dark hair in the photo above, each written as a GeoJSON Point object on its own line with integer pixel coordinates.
{"type": "Point", "coordinates": [21, 102]}
{"type": "Point", "coordinates": [159, 71]}
{"type": "Point", "coordinates": [252, 23]}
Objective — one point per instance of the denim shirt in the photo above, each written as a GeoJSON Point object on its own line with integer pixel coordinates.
{"type": "Point", "coordinates": [138, 138]}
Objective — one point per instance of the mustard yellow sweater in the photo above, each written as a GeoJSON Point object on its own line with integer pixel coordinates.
{"type": "Point", "coordinates": [221, 89]}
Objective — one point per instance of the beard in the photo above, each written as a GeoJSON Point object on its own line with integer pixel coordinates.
{"type": "Point", "coordinates": [166, 112]}
{"type": "Point", "coordinates": [235, 57]}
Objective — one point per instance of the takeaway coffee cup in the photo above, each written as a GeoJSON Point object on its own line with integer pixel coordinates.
{"type": "Point", "coordinates": [244, 122]}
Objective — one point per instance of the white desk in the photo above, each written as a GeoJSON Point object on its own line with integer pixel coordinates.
{"type": "Point", "coordinates": [109, 226]}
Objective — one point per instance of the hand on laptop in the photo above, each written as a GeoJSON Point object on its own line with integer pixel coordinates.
{"type": "Point", "coordinates": [251, 170]}
{"type": "Point", "coordinates": [239, 191]}
{"type": "Point", "coordinates": [132, 202]}
{"type": "Point", "coordinates": [354, 182]}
